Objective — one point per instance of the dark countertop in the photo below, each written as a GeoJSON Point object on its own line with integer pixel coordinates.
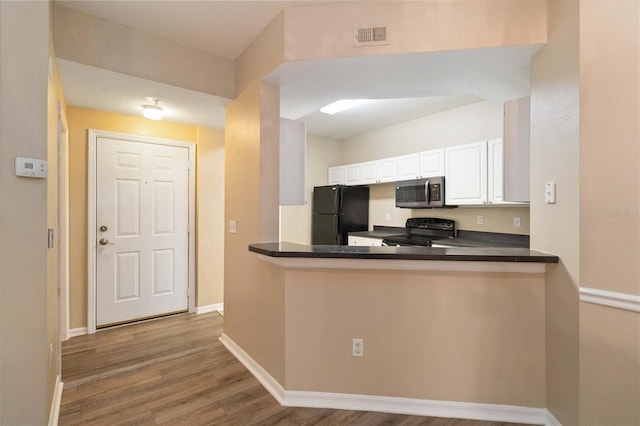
{"type": "Point", "coordinates": [477, 254]}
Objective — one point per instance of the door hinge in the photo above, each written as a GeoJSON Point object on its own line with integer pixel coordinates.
{"type": "Point", "coordinates": [51, 242]}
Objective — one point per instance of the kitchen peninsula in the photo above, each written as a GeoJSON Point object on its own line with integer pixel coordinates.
{"type": "Point", "coordinates": [444, 331]}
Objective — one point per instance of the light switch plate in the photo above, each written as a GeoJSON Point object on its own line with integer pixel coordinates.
{"type": "Point", "coordinates": [550, 192]}
{"type": "Point", "coordinates": [233, 227]}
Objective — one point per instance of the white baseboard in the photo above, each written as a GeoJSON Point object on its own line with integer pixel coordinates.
{"type": "Point", "coordinates": [80, 331]}
{"type": "Point", "coordinates": [388, 404]}
{"type": "Point", "coordinates": [54, 413]}
{"type": "Point", "coordinates": [271, 385]}
{"type": "Point", "coordinates": [216, 307]}
{"type": "Point", "coordinates": [550, 420]}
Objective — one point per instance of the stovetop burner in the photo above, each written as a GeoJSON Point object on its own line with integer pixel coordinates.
{"type": "Point", "coordinates": [421, 231]}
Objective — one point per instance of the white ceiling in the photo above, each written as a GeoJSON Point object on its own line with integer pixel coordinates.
{"type": "Point", "coordinates": [406, 86]}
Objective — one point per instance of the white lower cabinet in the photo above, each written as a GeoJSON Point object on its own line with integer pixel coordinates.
{"type": "Point", "coordinates": [364, 241]}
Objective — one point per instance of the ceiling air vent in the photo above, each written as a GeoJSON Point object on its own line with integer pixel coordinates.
{"type": "Point", "coordinates": [370, 36]}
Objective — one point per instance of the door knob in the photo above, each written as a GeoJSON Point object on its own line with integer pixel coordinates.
{"type": "Point", "coordinates": [104, 242]}
{"type": "Point", "coordinates": [103, 228]}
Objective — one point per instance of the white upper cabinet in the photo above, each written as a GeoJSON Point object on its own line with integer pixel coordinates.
{"type": "Point", "coordinates": [293, 152]}
{"type": "Point", "coordinates": [432, 163]}
{"type": "Point", "coordinates": [494, 171]}
{"type": "Point", "coordinates": [408, 167]}
{"type": "Point", "coordinates": [370, 172]}
{"type": "Point", "coordinates": [516, 149]}
{"type": "Point", "coordinates": [474, 173]}
{"type": "Point", "coordinates": [421, 165]}
{"type": "Point", "coordinates": [336, 175]}
{"type": "Point", "coordinates": [353, 174]}
{"type": "Point", "coordinates": [387, 170]}
{"type": "Point", "coordinates": [466, 174]}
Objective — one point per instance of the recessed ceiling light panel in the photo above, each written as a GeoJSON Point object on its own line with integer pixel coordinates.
{"type": "Point", "coordinates": [342, 105]}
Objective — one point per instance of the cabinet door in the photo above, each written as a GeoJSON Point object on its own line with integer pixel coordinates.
{"type": "Point", "coordinates": [432, 163]}
{"type": "Point", "coordinates": [515, 150]}
{"type": "Point", "coordinates": [466, 174]}
{"type": "Point", "coordinates": [370, 172]}
{"type": "Point", "coordinates": [353, 174]}
{"type": "Point", "coordinates": [388, 170]}
{"type": "Point", "coordinates": [408, 167]}
{"type": "Point", "coordinates": [336, 175]}
{"type": "Point", "coordinates": [364, 241]}
{"type": "Point", "coordinates": [494, 176]}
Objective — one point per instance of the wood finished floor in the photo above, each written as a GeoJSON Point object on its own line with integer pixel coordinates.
{"type": "Point", "coordinates": [173, 371]}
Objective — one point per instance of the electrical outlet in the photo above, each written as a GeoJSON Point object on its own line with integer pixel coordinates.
{"type": "Point", "coordinates": [516, 221]}
{"type": "Point", "coordinates": [387, 216]}
{"type": "Point", "coordinates": [357, 348]}
{"type": "Point", "coordinates": [480, 220]}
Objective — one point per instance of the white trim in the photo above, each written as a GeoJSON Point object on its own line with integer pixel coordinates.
{"type": "Point", "coordinates": [217, 307]}
{"type": "Point", "coordinates": [271, 385]}
{"type": "Point", "coordinates": [405, 265]}
{"type": "Point", "coordinates": [550, 419]}
{"type": "Point", "coordinates": [80, 331]}
{"type": "Point", "coordinates": [63, 221]}
{"type": "Point", "coordinates": [387, 404]}
{"type": "Point", "coordinates": [54, 412]}
{"type": "Point", "coordinates": [91, 214]}
{"type": "Point", "coordinates": [612, 299]}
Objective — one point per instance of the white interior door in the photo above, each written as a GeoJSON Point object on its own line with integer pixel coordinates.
{"type": "Point", "coordinates": [142, 230]}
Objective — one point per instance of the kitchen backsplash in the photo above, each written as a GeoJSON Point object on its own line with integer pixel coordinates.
{"type": "Point", "coordinates": [382, 211]}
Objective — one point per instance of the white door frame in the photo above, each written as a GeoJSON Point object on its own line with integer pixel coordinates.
{"type": "Point", "coordinates": [91, 218]}
{"type": "Point", "coordinates": [63, 222]}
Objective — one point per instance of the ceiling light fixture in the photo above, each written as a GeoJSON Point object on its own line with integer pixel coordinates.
{"type": "Point", "coordinates": [342, 105]}
{"type": "Point", "coordinates": [152, 112]}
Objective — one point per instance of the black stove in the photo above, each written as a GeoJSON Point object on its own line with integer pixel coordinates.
{"type": "Point", "coordinates": [421, 231]}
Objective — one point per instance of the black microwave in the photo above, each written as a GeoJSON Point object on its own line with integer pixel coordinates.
{"type": "Point", "coordinates": [421, 193]}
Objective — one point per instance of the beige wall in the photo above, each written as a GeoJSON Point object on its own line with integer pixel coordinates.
{"type": "Point", "coordinates": [80, 120]}
{"type": "Point", "coordinates": [210, 217]}
{"type": "Point", "coordinates": [609, 208]}
{"type": "Point", "coordinates": [253, 294]}
{"type": "Point", "coordinates": [28, 302]}
{"type": "Point", "coordinates": [295, 221]}
{"type": "Point", "coordinates": [427, 335]}
{"type": "Point", "coordinates": [470, 123]}
{"type": "Point", "coordinates": [115, 47]}
{"type": "Point", "coordinates": [326, 31]}
{"type": "Point", "coordinates": [262, 56]}
{"type": "Point", "coordinates": [495, 219]}
{"type": "Point", "coordinates": [555, 227]}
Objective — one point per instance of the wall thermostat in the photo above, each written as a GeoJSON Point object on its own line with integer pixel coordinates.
{"type": "Point", "coordinates": [31, 167]}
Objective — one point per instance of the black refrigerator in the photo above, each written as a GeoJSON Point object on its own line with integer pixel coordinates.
{"type": "Point", "coordinates": [338, 210]}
